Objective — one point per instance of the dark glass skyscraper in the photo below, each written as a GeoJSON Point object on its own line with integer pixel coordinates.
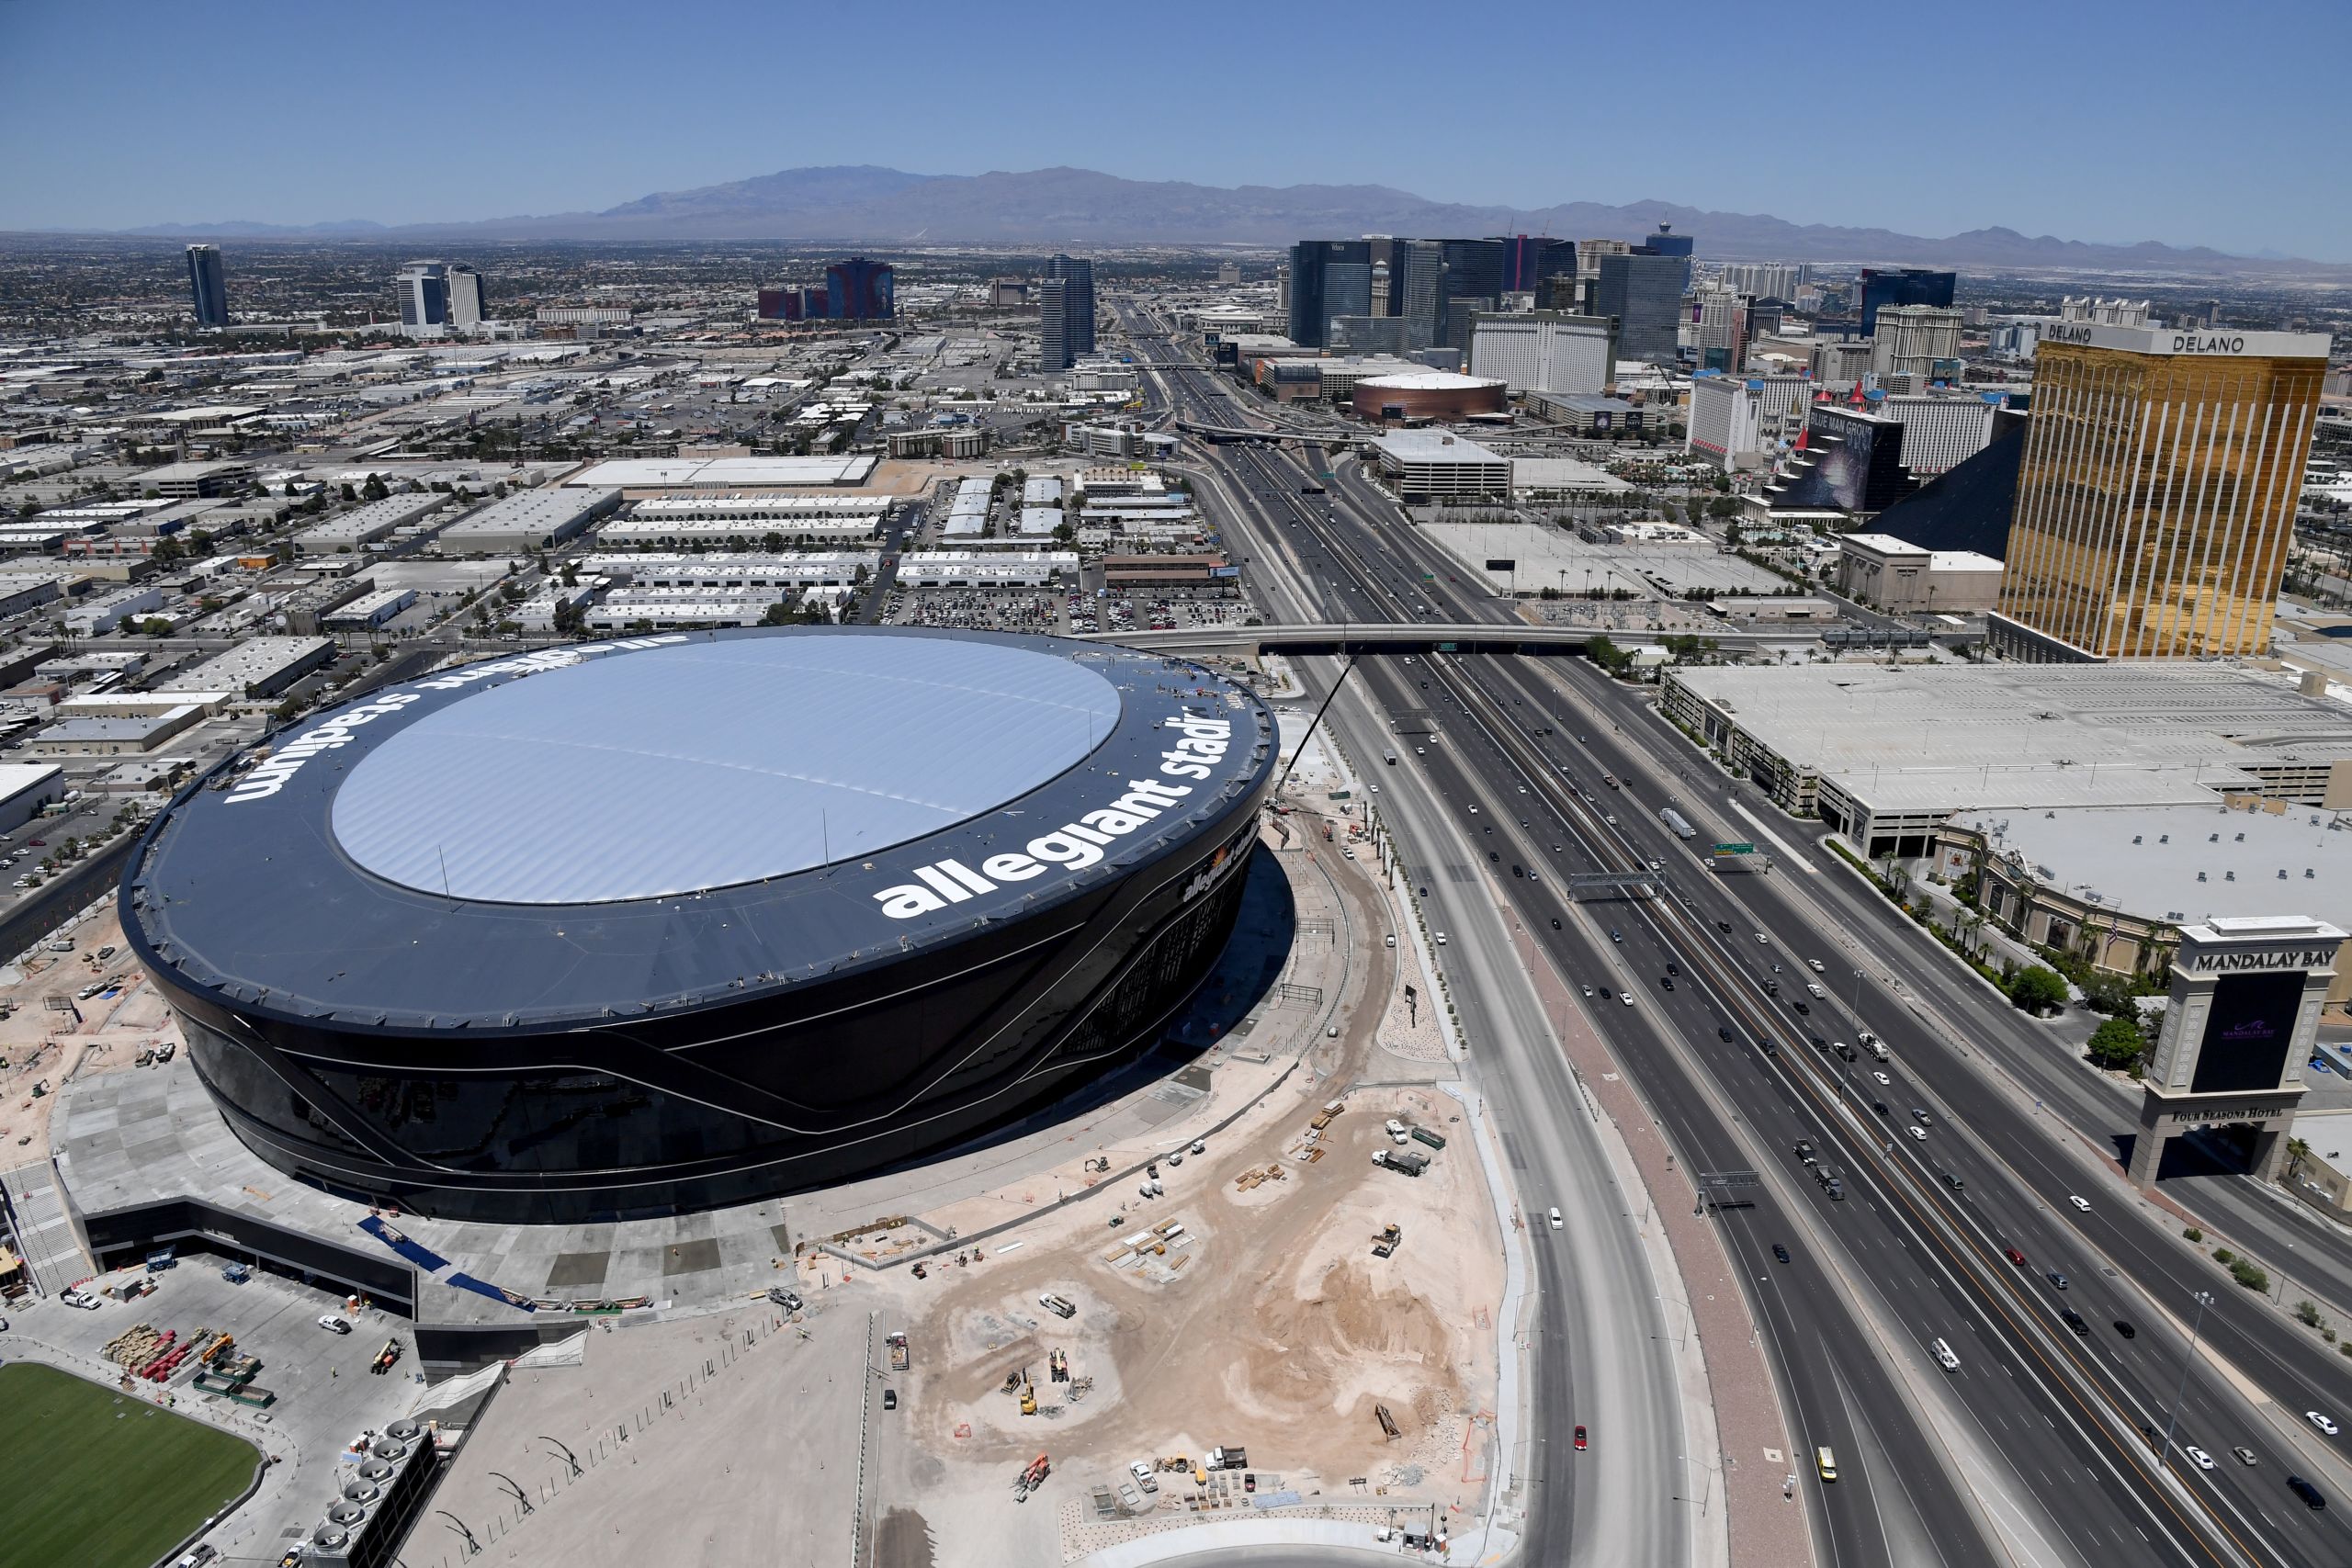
{"type": "Point", "coordinates": [1067, 313]}
{"type": "Point", "coordinates": [859, 290]}
{"type": "Point", "coordinates": [1906, 285]}
{"type": "Point", "coordinates": [1644, 291]}
{"type": "Point", "coordinates": [1310, 312]}
{"type": "Point", "coordinates": [208, 287]}
{"type": "Point", "coordinates": [1529, 262]}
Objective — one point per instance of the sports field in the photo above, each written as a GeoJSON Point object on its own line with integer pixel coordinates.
{"type": "Point", "coordinates": [91, 1477]}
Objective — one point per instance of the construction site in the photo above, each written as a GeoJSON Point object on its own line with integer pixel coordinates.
{"type": "Point", "coordinates": [1265, 1285]}
{"type": "Point", "coordinates": [1258, 1278]}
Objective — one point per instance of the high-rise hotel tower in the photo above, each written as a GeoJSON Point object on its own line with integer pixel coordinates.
{"type": "Point", "coordinates": [2158, 491]}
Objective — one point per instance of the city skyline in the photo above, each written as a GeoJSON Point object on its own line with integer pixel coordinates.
{"type": "Point", "coordinates": [2218, 190]}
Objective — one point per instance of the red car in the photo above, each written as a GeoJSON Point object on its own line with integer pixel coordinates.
{"type": "Point", "coordinates": [2017, 1257]}
{"type": "Point", "coordinates": [1580, 1444]}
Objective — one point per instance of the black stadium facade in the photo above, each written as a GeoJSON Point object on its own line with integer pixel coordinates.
{"type": "Point", "coordinates": [676, 921]}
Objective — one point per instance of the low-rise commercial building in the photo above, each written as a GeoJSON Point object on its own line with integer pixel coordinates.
{"type": "Point", "coordinates": [20, 592]}
{"type": "Point", "coordinates": [369, 611]}
{"type": "Point", "coordinates": [24, 788]}
{"type": "Point", "coordinates": [733, 571]}
{"type": "Point", "coordinates": [258, 667]}
{"type": "Point", "coordinates": [1171, 571]}
{"type": "Point", "coordinates": [307, 607]}
{"type": "Point", "coordinates": [1902, 578]}
{"type": "Point", "coordinates": [114, 737]}
{"type": "Point", "coordinates": [102, 612]}
{"type": "Point", "coordinates": [1590, 414]}
{"type": "Point", "coordinates": [181, 480]}
{"type": "Point", "coordinates": [996, 569]}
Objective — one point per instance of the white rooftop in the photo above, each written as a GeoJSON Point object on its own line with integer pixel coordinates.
{"type": "Point", "coordinates": [792, 751]}
{"type": "Point", "coordinates": [2205, 862]}
{"type": "Point", "coordinates": [648, 473]}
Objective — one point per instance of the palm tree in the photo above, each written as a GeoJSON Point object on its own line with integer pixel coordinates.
{"type": "Point", "coordinates": [2298, 1151]}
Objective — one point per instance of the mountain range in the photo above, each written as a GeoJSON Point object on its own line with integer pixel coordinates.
{"type": "Point", "coordinates": [1077, 207]}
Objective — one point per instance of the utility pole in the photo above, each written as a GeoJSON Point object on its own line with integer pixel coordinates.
{"type": "Point", "coordinates": [2204, 1300]}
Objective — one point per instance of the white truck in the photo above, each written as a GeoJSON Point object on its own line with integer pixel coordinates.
{"type": "Point", "coordinates": [1873, 1044]}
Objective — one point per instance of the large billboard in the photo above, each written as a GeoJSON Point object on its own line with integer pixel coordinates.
{"type": "Point", "coordinates": [2248, 1033]}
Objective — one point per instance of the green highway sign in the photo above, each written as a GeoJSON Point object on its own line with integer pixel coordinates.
{"type": "Point", "coordinates": [1735, 849]}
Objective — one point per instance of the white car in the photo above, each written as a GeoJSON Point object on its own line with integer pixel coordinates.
{"type": "Point", "coordinates": [1918, 1132]}
{"type": "Point", "coordinates": [333, 1324]}
{"type": "Point", "coordinates": [2082, 1203]}
{"type": "Point", "coordinates": [1140, 1470]}
{"type": "Point", "coordinates": [1884, 1079]}
{"type": "Point", "coordinates": [1814, 964]}
{"type": "Point", "coordinates": [1441, 939]}
{"type": "Point", "coordinates": [2198, 1457]}
{"type": "Point", "coordinates": [2321, 1422]}
{"type": "Point", "coordinates": [1556, 1221]}
{"type": "Point", "coordinates": [1628, 998]}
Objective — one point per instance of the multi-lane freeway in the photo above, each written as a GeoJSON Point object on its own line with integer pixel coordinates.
{"type": "Point", "coordinates": [2047, 1423]}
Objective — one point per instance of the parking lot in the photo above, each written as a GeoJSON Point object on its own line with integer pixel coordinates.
{"type": "Point", "coordinates": [1128, 609]}
{"type": "Point", "coordinates": [977, 609]}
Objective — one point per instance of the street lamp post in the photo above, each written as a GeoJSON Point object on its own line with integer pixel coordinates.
{"type": "Point", "coordinates": [2204, 1300]}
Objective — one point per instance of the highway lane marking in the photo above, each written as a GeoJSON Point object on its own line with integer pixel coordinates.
{"type": "Point", "coordinates": [1796, 856]}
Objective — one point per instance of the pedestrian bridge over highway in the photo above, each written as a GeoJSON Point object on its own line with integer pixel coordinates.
{"type": "Point", "coordinates": [1393, 637]}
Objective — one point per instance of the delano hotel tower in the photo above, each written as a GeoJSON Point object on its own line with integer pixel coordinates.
{"type": "Point", "coordinates": [2157, 492]}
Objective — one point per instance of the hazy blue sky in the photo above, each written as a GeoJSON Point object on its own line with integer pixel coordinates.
{"type": "Point", "coordinates": [2193, 124]}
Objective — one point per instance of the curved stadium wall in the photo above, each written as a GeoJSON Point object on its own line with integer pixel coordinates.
{"type": "Point", "coordinates": [407, 975]}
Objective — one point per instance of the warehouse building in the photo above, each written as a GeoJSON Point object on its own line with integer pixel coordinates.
{"type": "Point", "coordinates": [646, 474]}
{"type": "Point", "coordinates": [24, 788]}
{"type": "Point", "coordinates": [258, 667]}
{"type": "Point", "coordinates": [369, 525]}
{"type": "Point", "coordinates": [720, 570]}
{"type": "Point", "coordinates": [114, 737]}
{"type": "Point", "coordinates": [371, 611]}
{"type": "Point", "coordinates": [528, 520]}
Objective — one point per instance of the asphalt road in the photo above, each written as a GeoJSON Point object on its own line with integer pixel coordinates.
{"type": "Point", "coordinates": [2115, 1387]}
{"type": "Point", "coordinates": [1894, 1503]}
{"type": "Point", "coordinates": [1603, 1337]}
{"type": "Point", "coordinates": [2112, 1385]}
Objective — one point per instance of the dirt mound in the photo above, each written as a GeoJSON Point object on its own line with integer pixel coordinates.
{"type": "Point", "coordinates": [1346, 1340]}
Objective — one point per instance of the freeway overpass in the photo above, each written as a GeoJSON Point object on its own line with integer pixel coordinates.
{"type": "Point", "coordinates": [1272, 434]}
{"type": "Point", "coordinates": [1397, 637]}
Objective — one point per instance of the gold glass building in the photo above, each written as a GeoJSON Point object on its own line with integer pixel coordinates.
{"type": "Point", "coordinates": [2157, 492]}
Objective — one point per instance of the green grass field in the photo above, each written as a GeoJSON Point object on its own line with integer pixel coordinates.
{"type": "Point", "coordinates": [93, 1478]}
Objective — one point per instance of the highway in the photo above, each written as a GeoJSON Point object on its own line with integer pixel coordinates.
{"type": "Point", "coordinates": [2061, 1412]}
{"type": "Point", "coordinates": [1603, 1337]}
{"type": "Point", "coordinates": [1893, 1504]}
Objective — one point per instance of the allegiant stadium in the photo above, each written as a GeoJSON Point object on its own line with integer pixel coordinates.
{"type": "Point", "coordinates": [677, 922]}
